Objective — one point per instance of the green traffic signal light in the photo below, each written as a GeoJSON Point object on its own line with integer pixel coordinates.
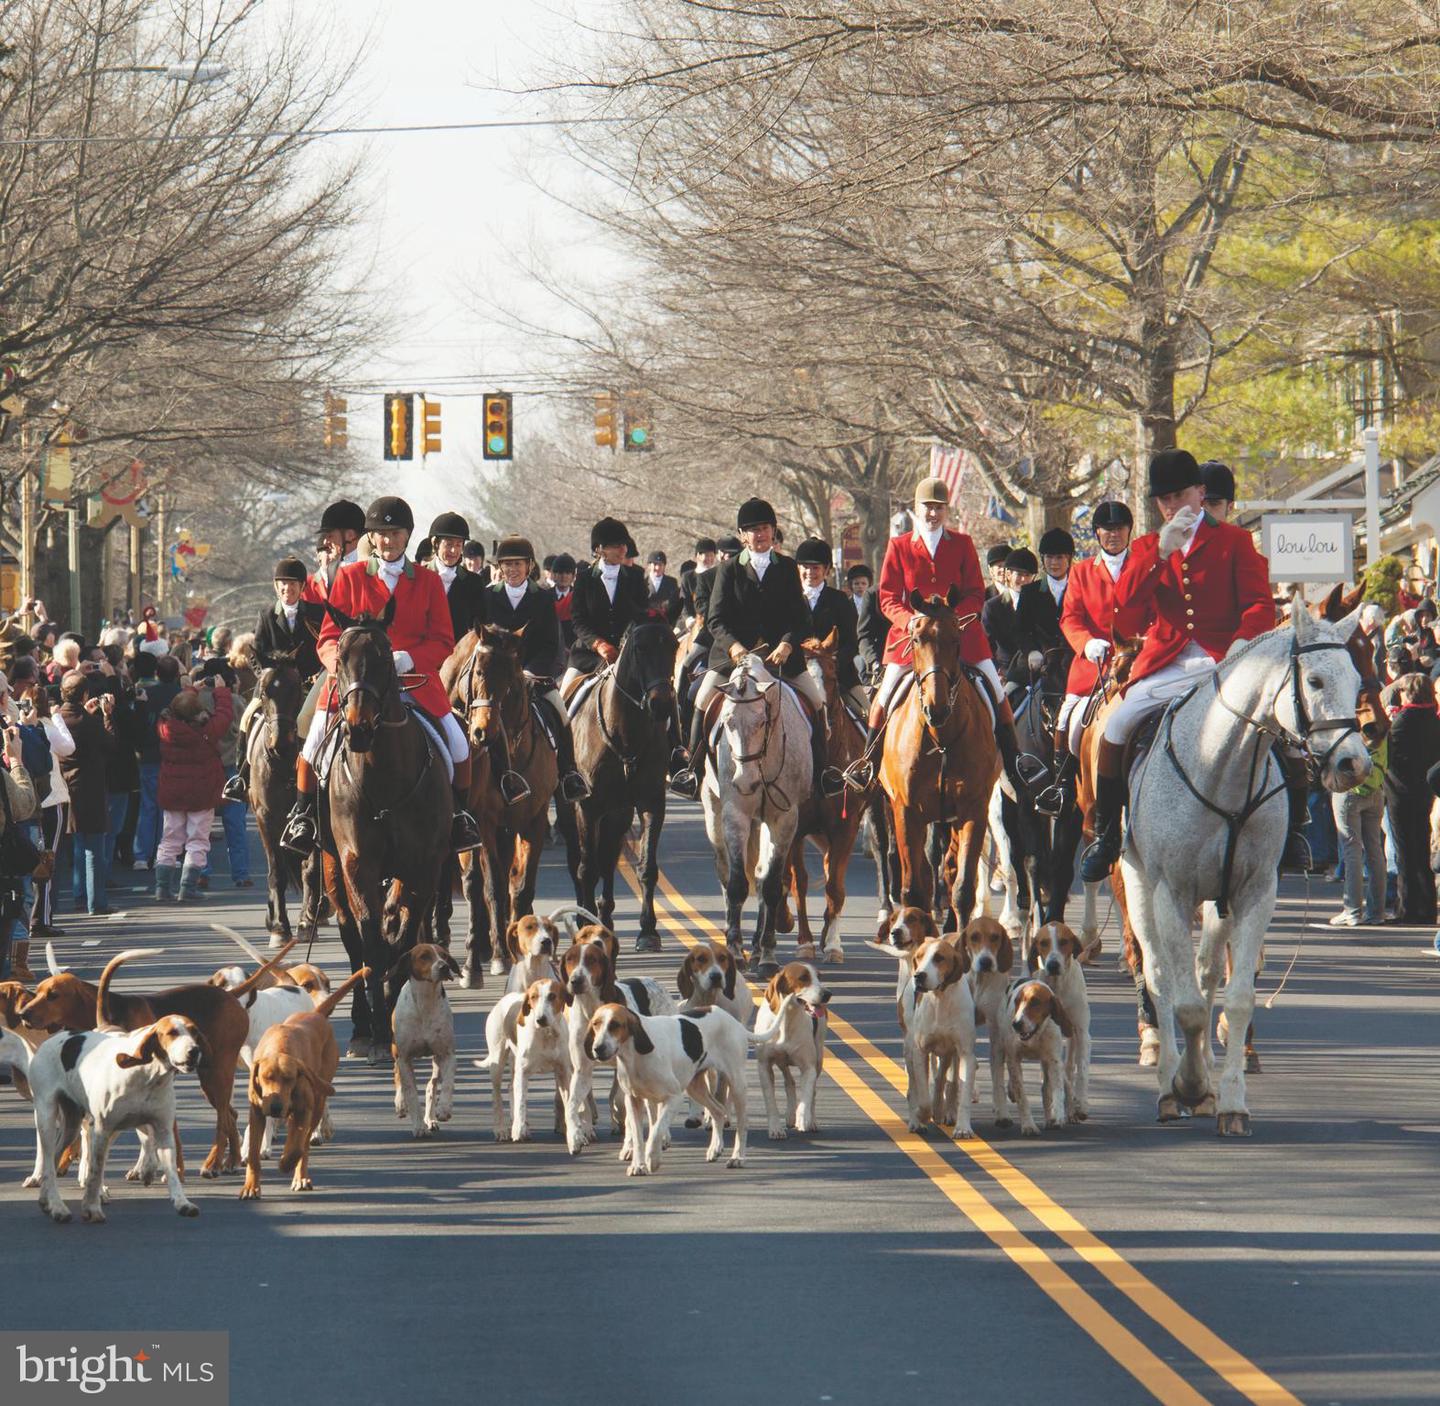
{"type": "Point", "coordinates": [638, 436]}
{"type": "Point", "coordinates": [497, 444]}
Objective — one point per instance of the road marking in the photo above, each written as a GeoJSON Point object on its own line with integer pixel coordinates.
{"type": "Point", "coordinates": [1234, 1367]}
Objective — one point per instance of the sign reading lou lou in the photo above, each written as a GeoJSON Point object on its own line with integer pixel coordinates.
{"type": "Point", "coordinates": [1309, 546]}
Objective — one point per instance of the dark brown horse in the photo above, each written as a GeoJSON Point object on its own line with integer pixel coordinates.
{"type": "Point", "coordinates": [622, 745]}
{"type": "Point", "coordinates": [832, 822]}
{"type": "Point", "coordinates": [385, 819]}
{"type": "Point", "coordinates": [273, 744]}
{"type": "Point", "coordinates": [940, 761]}
{"type": "Point", "coordinates": [485, 680]}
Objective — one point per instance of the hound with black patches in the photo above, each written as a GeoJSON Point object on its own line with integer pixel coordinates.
{"type": "Point", "coordinates": [102, 1082]}
{"type": "Point", "coordinates": [992, 958]}
{"type": "Point", "coordinates": [791, 1022]}
{"type": "Point", "coordinates": [423, 1025]}
{"type": "Point", "coordinates": [532, 944]}
{"type": "Point", "coordinates": [1036, 1028]}
{"type": "Point", "coordinates": [657, 1060]}
{"type": "Point", "coordinates": [540, 1044]}
{"type": "Point", "coordinates": [589, 975]}
{"type": "Point", "coordinates": [1058, 954]}
{"type": "Point", "coordinates": [710, 976]}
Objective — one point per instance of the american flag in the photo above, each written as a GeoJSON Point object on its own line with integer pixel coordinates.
{"type": "Point", "coordinates": [948, 464]}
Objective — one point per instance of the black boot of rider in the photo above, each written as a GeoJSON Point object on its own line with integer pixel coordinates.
{"type": "Point", "coordinates": [573, 786]}
{"type": "Point", "coordinates": [686, 781]}
{"type": "Point", "coordinates": [1099, 859]}
{"type": "Point", "coordinates": [1296, 858]}
{"type": "Point", "coordinates": [831, 781]}
{"type": "Point", "coordinates": [464, 832]}
{"type": "Point", "coordinates": [1054, 798]}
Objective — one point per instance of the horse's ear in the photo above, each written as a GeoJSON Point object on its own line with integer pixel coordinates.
{"type": "Point", "coordinates": [1353, 601]}
{"type": "Point", "coordinates": [831, 640]}
{"type": "Point", "coordinates": [520, 633]}
{"type": "Point", "coordinates": [1347, 625]}
{"type": "Point", "coordinates": [267, 661]}
{"type": "Point", "coordinates": [388, 614]}
{"type": "Point", "coordinates": [953, 597]}
{"type": "Point", "coordinates": [918, 602]}
{"type": "Point", "coordinates": [1300, 618]}
{"type": "Point", "coordinates": [344, 621]}
{"type": "Point", "coordinates": [1332, 607]}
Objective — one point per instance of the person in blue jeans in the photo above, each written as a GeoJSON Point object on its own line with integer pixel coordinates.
{"type": "Point", "coordinates": [157, 681]}
{"type": "Point", "coordinates": [232, 816]}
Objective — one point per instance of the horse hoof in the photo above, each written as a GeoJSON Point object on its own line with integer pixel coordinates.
{"type": "Point", "coordinates": [742, 958]}
{"type": "Point", "coordinates": [379, 1054]}
{"type": "Point", "coordinates": [1205, 1108]}
{"type": "Point", "coordinates": [836, 955]}
{"type": "Point", "coordinates": [767, 967]}
{"type": "Point", "coordinates": [358, 1048]}
{"type": "Point", "coordinates": [497, 966]}
{"type": "Point", "coordinates": [647, 942]}
{"type": "Point", "coordinates": [278, 938]}
{"type": "Point", "coordinates": [1252, 1062]}
{"type": "Point", "coordinates": [1169, 1110]}
{"type": "Point", "coordinates": [471, 978]}
{"type": "Point", "coordinates": [1233, 1125]}
{"type": "Point", "coordinates": [805, 952]}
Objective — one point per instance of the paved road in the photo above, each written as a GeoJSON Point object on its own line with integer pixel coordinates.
{"type": "Point", "coordinates": [1118, 1261]}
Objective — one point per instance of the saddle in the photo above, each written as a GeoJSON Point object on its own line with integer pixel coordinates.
{"type": "Point", "coordinates": [578, 690]}
{"type": "Point", "coordinates": [330, 747]}
{"type": "Point", "coordinates": [1141, 740]}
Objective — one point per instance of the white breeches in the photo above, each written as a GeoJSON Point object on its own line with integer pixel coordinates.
{"type": "Point", "coordinates": [1156, 690]}
{"type": "Point", "coordinates": [890, 680]}
{"type": "Point", "coordinates": [552, 697]}
{"type": "Point", "coordinates": [449, 725]}
{"type": "Point", "coordinates": [802, 683]}
{"type": "Point", "coordinates": [571, 673]}
{"type": "Point", "coordinates": [1072, 720]}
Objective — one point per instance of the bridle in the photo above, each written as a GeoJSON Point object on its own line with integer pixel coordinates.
{"type": "Point", "coordinates": [361, 731]}
{"type": "Point", "coordinates": [610, 675]}
{"type": "Point", "coordinates": [474, 704]}
{"type": "Point", "coordinates": [769, 786]}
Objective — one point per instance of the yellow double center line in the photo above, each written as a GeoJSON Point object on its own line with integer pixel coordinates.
{"type": "Point", "coordinates": [1162, 1381]}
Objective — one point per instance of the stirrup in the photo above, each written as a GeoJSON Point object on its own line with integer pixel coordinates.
{"type": "Point", "coordinates": [679, 760]}
{"type": "Point", "coordinates": [513, 788]}
{"type": "Point", "coordinates": [1052, 800]}
{"type": "Point", "coordinates": [300, 835]}
{"type": "Point", "coordinates": [236, 789]}
{"type": "Point", "coordinates": [464, 832]}
{"type": "Point", "coordinates": [573, 787]}
{"type": "Point", "coordinates": [859, 775]}
{"type": "Point", "coordinates": [832, 782]}
{"type": "Point", "coordinates": [686, 783]}
{"type": "Point", "coordinates": [1297, 857]}
{"type": "Point", "coordinates": [1031, 770]}
{"type": "Point", "coordinates": [1104, 851]}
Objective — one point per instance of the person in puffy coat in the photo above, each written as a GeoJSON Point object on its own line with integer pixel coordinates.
{"type": "Point", "coordinates": [192, 775]}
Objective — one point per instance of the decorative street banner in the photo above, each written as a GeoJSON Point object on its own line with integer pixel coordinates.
{"type": "Point", "coordinates": [57, 476]}
{"type": "Point", "coordinates": [185, 555]}
{"type": "Point", "coordinates": [1309, 546]}
{"type": "Point", "coordinates": [120, 497]}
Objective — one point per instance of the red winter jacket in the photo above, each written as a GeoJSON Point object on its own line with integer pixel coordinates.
{"type": "Point", "coordinates": [191, 773]}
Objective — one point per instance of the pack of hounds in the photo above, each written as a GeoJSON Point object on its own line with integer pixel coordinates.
{"type": "Point", "coordinates": [96, 1062]}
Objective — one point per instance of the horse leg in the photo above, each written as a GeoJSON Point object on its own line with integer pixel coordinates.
{"type": "Point", "coordinates": [797, 882]}
{"type": "Point", "coordinates": [916, 875]}
{"type": "Point", "coordinates": [652, 821]}
{"type": "Point", "coordinates": [770, 884]}
{"type": "Point", "coordinates": [277, 917]}
{"type": "Point", "coordinates": [1164, 933]}
{"type": "Point", "coordinates": [1064, 841]}
{"type": "Point", "coordinates": [837, 853]}
{"type": "Point", "coordinates": [1090, 923]}
{"type": "Point", "coordinates": [1247, 933]}
{"type": "Point", "coordinates": [737, 883]}
{"type": "Point", "coordinates": [368, 911]}
{"type": "Point", "coordinates": [937, 852]}
{"type": "Point", "coordinates": [970, 836]}
{"type": "Point", "coordinates": [350, 939]}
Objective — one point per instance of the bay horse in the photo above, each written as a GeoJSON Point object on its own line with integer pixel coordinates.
{"type": "Point", "coordinates": [622, 748]}
{"type": "Point", "coordinates": [940, 762]}
{"type": "Point", "coordinates": [758, 777]}
{"type": "Point", "coordinates": [486, 683]}
{"type": "Point", "coordinates": [385, 820]}
{"type": "Point", "coordinates": [1208, 819]}
{"type": "Point", "coordinates": [832, 822]}
{"type": "Point", "coordinates": [273, 744]}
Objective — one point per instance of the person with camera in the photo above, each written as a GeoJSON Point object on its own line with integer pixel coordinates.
{"type": "Point", "coordinates": [35, 708]}
{"type": "Point", "coordinates": [88, 712]}
{"type": "Point", "coordinates": [18, 853]}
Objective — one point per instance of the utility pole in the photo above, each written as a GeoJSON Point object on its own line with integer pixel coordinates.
{"type": "Point", "coordinates": [160, 555]}
{"type": "Point", "coordinates": [27, 520]}
{"type": "Point", "coordinates": [136, 584]}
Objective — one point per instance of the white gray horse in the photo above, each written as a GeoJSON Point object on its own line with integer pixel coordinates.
{"type": "Point", "coordinates": [759, 774]}
{"type": "Point", "coordinates": [1209, 784]}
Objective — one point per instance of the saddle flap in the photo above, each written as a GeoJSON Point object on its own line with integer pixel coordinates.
{"type": "Point", "coordinates": [1137, 748]}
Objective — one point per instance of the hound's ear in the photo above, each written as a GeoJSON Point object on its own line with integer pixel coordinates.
{"type": "Point", "coordinates": [772, 992]}
{"type": "Point", "coordinates": [1070, 944]}
{"type": "Point", "coordinates": [206, 1055]}
{"type": "Point", "coordinates": [685, 980]}
{"type": "Point", "coordinates": [565, 992]}
{"type": "Point", "coordinates": [963, 948]}
{"type": "Point", "coordinates": [254, 1082]}
{"type": "Point", "coordinates": [344, 621]}
{"type": "Point", "coordinates": [1032, 960]}
{"type": "Point", "coordinates": [953, 597]}
{"type": "Point", "coordinates": [402, 971]}
{"type": "Point", "coordinates": [732, 970]}
{"type": "Point", "coordinates": [589, 1044]}
{"type": "Point", "coordinates": [388, 614]}
{"type": "Point", "coordinates": [149, 1048]}
{"type": "Point", "coordinates": [524, 1009]}
{"type": "Point", "coordinates": [1005, 959]}
{"type": "Point", "coordinates": [956, 969]}
{"type": "Point", "coordinates": [1061, 1017]}
{"type": "Point", "coordinates": [643, 1043]}
{"type": "Point", "coordinates": [512, 940]}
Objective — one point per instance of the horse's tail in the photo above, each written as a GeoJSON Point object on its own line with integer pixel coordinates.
{"type": "Point", "coordinates": [333, 999]}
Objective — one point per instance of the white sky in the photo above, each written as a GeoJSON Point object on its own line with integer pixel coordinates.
{"type": "Point", "coordinates": [453, 213]}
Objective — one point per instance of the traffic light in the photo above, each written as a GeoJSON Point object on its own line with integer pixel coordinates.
{"type": "Point", "coordinates": [499, 427]}
{"type": "Point", "coordinates": [429, 427]}
{"type": "Point", "coordinates": [605, 420]}
{"type": "Point", "coordinates": [399, 428]}
{"type": "Point", "coordinates": [336, 435]}
{"type": "Point", "coordinates": [639, 437]}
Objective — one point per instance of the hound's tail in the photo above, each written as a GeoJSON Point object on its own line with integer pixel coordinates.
{"type": "Point", "coordinates": [568, 912]}
{"type": "Point", "coordinates": [250, 981]}
{"type": "Point", "coordinates": [775, 1031]}
{"type": "Point", "coordinates": [333, 999]}
{"type": "Point", "coordinates": [102, 992]}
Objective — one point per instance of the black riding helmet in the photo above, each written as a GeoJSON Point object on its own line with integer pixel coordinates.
{"type": "Point", "coordinates": [1112, 513]}
{"type": "Point", "coordinates": [609, 532]}
{"type": "Point", "coordinates": [814, 552]}
{"type": "Point", "coordinates": [450, 525]}
{"type": "Point", "coordinates": [755, 512]}
{"type": "Point", "coordinates": [388, 513]}
{"type": "Point", "coordinates": [290, 569]}
{"type": "Point", "coordinates": [342, 516]}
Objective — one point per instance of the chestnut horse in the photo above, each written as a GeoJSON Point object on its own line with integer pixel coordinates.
{"type": "Point", "coordinates": [485, 681]}
{"type": "Point", "coordinates": [940, 760]}
{"type": "Point", "coordinates": [833, 822]}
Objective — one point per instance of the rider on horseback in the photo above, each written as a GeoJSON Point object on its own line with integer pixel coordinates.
{"type": "Point", "coordinates": [1196, 587]}
{"type": "Point", "coordinates": [1085, 619]}
{"type": "Point", "coordinates": [831, 609]}
{"type": "Point", "coordinates": [288, 628]}
{"type": "Point", "coordinates": [757, 598]}
{"type": "Point", "coordinates": [421, 638]}
{"type": "Point", "coordinates": [517, 604]}
{"type": "Point", "coordinates": [932, 559]}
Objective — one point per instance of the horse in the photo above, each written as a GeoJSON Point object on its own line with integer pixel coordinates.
{"type": "Point", "coordinates": [833, 822]}
{"type": "Point", "coordinates": [273, 744]}
{"type": "Point", "coordinates": [1207, 825]}
{"type": "Point", "coordinates": [940, 762]}
{"type": "Point", "coordinates": [486, 683]}
{"type": "Point", "coordinates": [386, 819]}
{"type": "Point", "coordinates": [758, 779]}
{"type": "Point", "coordinates": [622, 747]}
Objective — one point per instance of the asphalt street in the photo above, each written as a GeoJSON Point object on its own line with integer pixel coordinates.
{"type": "Point", "coordinates": [1113, 1261]}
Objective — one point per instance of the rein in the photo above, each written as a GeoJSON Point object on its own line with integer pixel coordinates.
{"type": "Point", "coordinates": [771, 787]}
{"type": "Point", "coordinates": [1256, 795]}
{"type": "Point", "coordinates": [610, 674]}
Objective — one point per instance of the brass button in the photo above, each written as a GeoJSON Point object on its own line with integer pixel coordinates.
{"type": "Point", "coordinates": [1190, 626]}
{"type": "Point", "coordinates": [1188, 596]}
{"type": "Point", "coordinates": [1190, 612]}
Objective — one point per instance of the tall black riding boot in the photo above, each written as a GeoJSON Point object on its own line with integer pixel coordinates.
{"type": "Point", "coordinates": [573, 786]}
{"type": "Point", "coordinates": [1100, 858]}
{"type": "Point", "coordinates": [1296, 858]}
{"type": "Point", "coordinates": [828, 778]}
{"type": "Point", "coordinates": [513, 786]}
{"type": "Point", "coordinates": [686, 781]}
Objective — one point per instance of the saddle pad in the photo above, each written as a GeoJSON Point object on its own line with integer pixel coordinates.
{"type": "Point", "coordinates": [583, 689]}
{"type": "Point", "coordinates": [330, 748]}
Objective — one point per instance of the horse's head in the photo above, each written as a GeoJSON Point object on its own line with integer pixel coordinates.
{"type": "Point", "coordinates": [1370, 712]}
{"type": "Point", "coordinates": [496, 668]}
{"type": "Point", "coordinates": [365, 675]}
{"type": "Point", "coordinates": [820, 661]}
{"type": "Point", "coordinates": [645, 666]}
{"type": "Point", "coordinates": [1325, 688]}
{"type": "Point", "coordinates": [278, 689]}
{"type": "Point", "coordinates": [934, 635]}
{"type": "Point", "coordinates": [747, 719]}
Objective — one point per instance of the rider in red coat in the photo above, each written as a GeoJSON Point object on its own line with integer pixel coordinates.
{"type": "Point", "coordinates": [1195, 588]}
{"type": "Point", "coordinates": [341, 527]}
{"type": "Point", "coordinates": [932, 559]}
{"type": "Point", "coordinates": [421, 639]}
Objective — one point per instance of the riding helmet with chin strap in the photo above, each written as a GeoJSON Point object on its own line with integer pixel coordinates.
{"type": "Point", "coordinates": [388, 514]}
